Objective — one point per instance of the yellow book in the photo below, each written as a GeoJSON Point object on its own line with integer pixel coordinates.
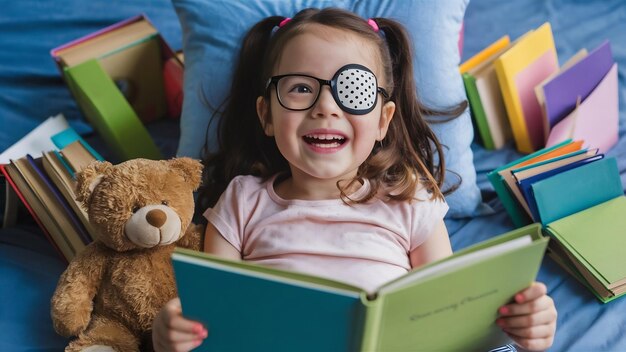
{"type": "Point", "coordinates": [484, 54]}
{"type": "Point", "coordinates": [531, 60]}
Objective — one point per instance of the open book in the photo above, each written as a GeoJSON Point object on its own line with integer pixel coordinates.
{"type": "Point", "coordinates": [447, 305]}
{"type": "Point", "coordinates": [577, 195]}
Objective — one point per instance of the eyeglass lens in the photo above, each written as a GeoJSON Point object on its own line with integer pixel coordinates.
{"type": "Point", "coordinates": [353, 87]}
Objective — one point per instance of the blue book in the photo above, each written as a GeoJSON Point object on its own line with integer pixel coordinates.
{"type": "Point", "coordinates": [525, 186]}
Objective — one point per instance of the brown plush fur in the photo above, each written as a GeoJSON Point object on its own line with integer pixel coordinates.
{"type": "Point", "coordinates": [110, 292]}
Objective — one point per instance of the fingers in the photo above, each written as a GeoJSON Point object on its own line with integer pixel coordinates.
{"type": "Point", "coordinates": [541, 317]}
{"type": "Point", "coordinates": [172, 332]}
{"type": "Point", "coordinates": [531, 319]}
{"type": "Point", "coordinates": [541, 303]}
{"type": "Point", "coordinates": [534, 291]}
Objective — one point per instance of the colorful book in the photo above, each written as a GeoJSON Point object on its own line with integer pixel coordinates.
{"type": "Point", "coordinates": [75, 156]}
{"type": "Point", "coordinates": [525, 184]}
{"type": "Point", "coordinates": [513, 177]}
{"type": "Point", "coordinates": [447, 305]}
{"type": "Point", "coordinates": [498, 178]}
{"type": "Point", "coordinates": [484, 54]}
{"type": "Point", "coordinates": [532, 59]}
{"type": "Point", "coordinates": [109, 112]}
{"type": "Point", "coordinates": [66, 185]}
{"type": "Point", "coordinates": [576, 83]}
{"type": "Point", "coordinates": [582, 53]}
{"type": "Point", "coordinates": [104, 42]}
{"type": "Point", "coordinates": [38, 211]}
{"type": "Point", "coordinates": [485, 97]}
{"type": "Point", "coordinates": [595, 120]}
{"type": "Point", "coordinates": [57, 204]}
{"type": "Point", "coordinates": [116, 77]}
{"type": "Point", "coordinates": [69, 136]}
{"type": "Point", "coordinates": [582, 210]}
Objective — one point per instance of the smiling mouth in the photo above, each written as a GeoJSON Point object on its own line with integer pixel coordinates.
{"type": "Point", "coordinates": [324, 140]}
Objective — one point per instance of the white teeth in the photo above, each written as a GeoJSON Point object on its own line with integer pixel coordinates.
{"type": "Point", "coordinates": [325, 137]}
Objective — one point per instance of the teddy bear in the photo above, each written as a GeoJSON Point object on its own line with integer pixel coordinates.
{"type": "Point", "coordinates": [111, 291]}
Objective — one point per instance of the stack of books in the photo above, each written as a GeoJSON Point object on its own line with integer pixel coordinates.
{"type": "Point", "coordinates": [576, 194]}
{"type": "Point", "coordinates": [123, 76]}
{"type": "Point", "coordinates": [45, 185]}
{"type": "Point", "coordinates": [518, 91]}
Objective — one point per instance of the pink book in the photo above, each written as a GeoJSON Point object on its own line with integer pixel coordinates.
{"type": "Point", "coordinates": [595, 120]}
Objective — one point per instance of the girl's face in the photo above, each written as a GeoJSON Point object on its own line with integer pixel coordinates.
{"type": "Point", "coordinates": [325, 143]}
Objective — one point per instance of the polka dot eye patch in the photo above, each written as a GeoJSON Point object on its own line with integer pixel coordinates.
{"type": "Point", "coordinates": [354, 88]}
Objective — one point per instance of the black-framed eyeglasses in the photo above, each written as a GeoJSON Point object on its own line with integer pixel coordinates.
{"type": "Point", "coordinates": [354, 88]}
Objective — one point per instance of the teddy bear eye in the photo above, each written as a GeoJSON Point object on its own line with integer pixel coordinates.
{"type": "Point", "coordinates": [164, 202]}
{"type": "Point", "coordinates": [136, 208]}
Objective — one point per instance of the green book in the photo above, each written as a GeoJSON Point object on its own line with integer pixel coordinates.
{"type": "Point", "coordinates": [449, 305]}
{"type": "Point", "coordinates": [583, 211]}
{"type": "Point", "coordinates": [477, 110]}
{"type": "Point", "coordinates": [109, 112]}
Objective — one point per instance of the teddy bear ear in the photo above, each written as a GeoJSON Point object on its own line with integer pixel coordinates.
{"type": "Point", "coordinates": [89, 177]}
{"type": "Point", "coordinates": [189, 168]}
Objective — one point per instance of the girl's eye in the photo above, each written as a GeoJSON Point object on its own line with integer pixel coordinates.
{"type": "Point", "coordinates": [301, 89]}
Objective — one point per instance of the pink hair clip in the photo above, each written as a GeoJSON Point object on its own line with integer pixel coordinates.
{"type": "Point", "coordinates": [373, 24]}
{"type": "Point", "coordinates": [284, 22]}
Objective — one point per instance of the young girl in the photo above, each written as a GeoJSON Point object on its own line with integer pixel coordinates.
{"type": "Point", "coordinates": [327, 166]}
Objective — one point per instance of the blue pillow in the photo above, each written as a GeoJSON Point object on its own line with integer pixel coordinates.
{"type": "Point", "coordinates": [213, 30]}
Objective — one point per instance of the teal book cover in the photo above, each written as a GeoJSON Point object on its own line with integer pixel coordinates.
{"type": "Point", "coordinates": [261, 313]}
{"type": "Point", "coordinates": [577, 189]}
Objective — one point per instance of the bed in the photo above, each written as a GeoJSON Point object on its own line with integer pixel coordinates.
{"type": "Point", "coordinates": [31, 90]}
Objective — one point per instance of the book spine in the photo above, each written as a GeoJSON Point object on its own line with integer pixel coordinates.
{"type": "Point", "coordinates": [371, 324]}
{"type": "Point", "coordinates": [514, 111]}
{"type": "Point", "coordinates": [478, 111]}
{"type": "Point", "coordinates": [515, 211]}
{"type": "Point", "coordinates": [65, 254]}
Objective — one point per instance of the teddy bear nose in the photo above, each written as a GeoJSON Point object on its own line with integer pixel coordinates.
{"type": "Point", "coordinates": [156, 217]}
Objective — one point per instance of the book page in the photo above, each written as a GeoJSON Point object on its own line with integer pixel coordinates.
{"type": "Point", "coordinates": [453, 264]}
{"type": "Point", "coordinates": [77, 156]}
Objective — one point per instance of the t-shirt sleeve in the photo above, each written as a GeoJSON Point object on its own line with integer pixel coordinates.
{"type": "Point", "coordinates": [228, 214]}
{"type": "Point", "coordinates": [426, 214]}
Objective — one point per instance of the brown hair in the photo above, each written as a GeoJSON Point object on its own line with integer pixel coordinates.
{"type": "Point", "coordinates": [409, 155]}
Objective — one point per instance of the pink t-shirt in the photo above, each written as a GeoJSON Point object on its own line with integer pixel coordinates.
{"type": "Point", "coordinates": [364, 245]}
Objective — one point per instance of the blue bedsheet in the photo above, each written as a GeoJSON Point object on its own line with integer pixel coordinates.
{"type": "Point", "coordinates": [31, 90]}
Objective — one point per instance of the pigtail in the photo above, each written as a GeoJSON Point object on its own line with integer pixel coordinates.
{"type": "Point", "coordinates": [242, 143]}
{"type": "Point", "coordinates": [410, 138]}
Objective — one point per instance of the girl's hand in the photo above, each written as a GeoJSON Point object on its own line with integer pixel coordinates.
{"type": "Point", "coordinates": [531, 319]}
{"type": "Point", "coordinates": [172, 332]}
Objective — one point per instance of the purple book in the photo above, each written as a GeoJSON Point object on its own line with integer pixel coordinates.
{"type": "Point", "coordinates": [579, 80]}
